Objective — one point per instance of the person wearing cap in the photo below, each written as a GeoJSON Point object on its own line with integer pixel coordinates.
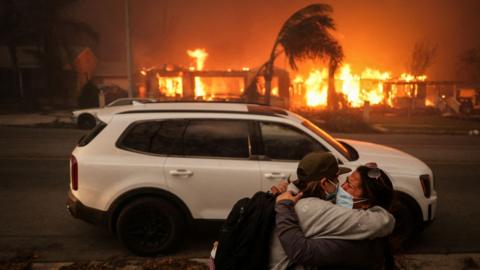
{"type": "Point", "coordinates": [314, 231]}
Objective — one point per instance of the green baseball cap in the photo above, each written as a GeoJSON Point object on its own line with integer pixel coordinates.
{"type": "Point", "coordinates": [318, 165]}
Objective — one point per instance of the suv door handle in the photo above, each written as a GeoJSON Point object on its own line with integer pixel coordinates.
{"type": "Point", "coordinates": [181, 172]}
{"type": "Point", "coordinates": [275, 175]}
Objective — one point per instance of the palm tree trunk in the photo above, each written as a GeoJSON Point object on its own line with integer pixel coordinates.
{"type": "Point", "coordinates": [268, 75]}
{"type": "Point", "coordinates": [332, 100]}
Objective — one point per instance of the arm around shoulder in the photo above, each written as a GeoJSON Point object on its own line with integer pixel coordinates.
{"type": "Point", "coordinates": [318, 251]}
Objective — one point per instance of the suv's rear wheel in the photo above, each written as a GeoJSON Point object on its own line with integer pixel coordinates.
{"type": "Point", "coordinates": [149, 226]}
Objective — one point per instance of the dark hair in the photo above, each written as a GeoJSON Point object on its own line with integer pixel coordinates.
{"type": "Point", "coordinates": [379, 191]}
{"type": "Point", "coordinates": [310, 188]}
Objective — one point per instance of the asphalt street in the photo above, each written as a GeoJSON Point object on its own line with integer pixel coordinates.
{"type": "Point", "coordinates": [34, 183]}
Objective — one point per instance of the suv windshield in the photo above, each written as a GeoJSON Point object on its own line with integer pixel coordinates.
{"type": "Point", "coordinates": [329, 139]}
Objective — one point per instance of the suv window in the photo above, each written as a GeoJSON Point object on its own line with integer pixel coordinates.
{"type": "Point", "coordinates": [285, 142]}
{"type": "Point", "coordinates": [158, 137]}
{"type": "Point", "coordinates": [86, 139]}
{"type": "Point", "coordinates": [217, 138]}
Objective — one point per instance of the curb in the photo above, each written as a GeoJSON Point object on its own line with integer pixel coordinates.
{"type": "Point", "coordinates": [409, 261]}
{"type": "Point", "coordinates": [439, 261]}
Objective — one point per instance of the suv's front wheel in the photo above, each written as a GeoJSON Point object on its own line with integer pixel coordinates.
{"type": "Point", "coordinates": [149, 226]}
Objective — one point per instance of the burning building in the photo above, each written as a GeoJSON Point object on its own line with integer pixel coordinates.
{"type": "Point", "coordinates": [172, 82]}
{"type": "Point", "coordinates": [304, 91]}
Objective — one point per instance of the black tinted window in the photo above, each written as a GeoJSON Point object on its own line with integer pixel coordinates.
{"type": "Point", "coordinates": [167, 139]}
{"type": "Point", "coordinates": [286, 142]}
{"type": "Point", "coordinates": [157, 137]}
{"type": "Point", "coordinates": [217, 138]}
{"type": "Point", "coordinates": [86, 139]}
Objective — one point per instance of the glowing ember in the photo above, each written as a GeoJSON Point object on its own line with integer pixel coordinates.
{"type": "Point", "coordinates": [410, 78]}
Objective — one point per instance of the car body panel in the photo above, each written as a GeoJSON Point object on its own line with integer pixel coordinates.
{"type": "Point", "coordinates": [95, 111]}
{"type": "Point", "coordinates": [215, 184]}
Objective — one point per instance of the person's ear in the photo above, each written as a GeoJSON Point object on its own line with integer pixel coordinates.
{"type": "Point", "coordinates": [324, 183]}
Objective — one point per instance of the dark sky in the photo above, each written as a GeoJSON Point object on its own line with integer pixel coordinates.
{"type": "Point", "coordinates": [374, 33]}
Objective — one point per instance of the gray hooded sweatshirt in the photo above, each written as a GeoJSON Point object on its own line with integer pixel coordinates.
{"type": "Point", "coordinates": [322, 219]}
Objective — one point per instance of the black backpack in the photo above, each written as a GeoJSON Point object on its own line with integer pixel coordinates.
{"type": "Point", "coordinates": [244, 240]}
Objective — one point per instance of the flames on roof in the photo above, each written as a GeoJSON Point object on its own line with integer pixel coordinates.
{"type": "Point", "coordinates": [305, 90]}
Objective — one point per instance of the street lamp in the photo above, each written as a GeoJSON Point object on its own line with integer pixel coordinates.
{"type": "Point", "coordinates": [129, 49]}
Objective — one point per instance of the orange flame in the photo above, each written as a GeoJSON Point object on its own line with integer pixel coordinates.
{"type": "Point", "coordinates": [311, 89]}
{"type": "Point", "coordinates": [316, 88]}
{"type": "Point", "coordinates": [356, 89]}
{"type": "Point", "coordinates": [170, 86]}
{"type": "Point", "coordinates": [199, 55]}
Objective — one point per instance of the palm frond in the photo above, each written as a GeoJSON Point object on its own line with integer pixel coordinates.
{"type": "Point", "coordinates": [310, 38]}
{"type": "Point", "coordinates": [313, 9]}
{"type": "Point", "coordinates": [306, 35]}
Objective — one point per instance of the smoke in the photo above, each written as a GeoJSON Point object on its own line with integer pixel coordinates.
{"type": "Point", "coordinates": [374, 33]}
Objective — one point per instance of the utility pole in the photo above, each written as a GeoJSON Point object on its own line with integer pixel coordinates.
{"type": "Point", "coordinates": [131, 85]}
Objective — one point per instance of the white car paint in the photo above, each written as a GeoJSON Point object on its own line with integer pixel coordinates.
{"type": "Point", "coordinates": [210, 186]}
{"type": "Point", "coordinates": [94, 111]}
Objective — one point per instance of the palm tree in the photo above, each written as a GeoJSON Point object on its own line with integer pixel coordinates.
{"type": "Point", "coordinates": [306, 35]}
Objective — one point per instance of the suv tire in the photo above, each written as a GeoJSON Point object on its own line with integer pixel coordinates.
{"type": "Point", "coordinates": [149, 226]}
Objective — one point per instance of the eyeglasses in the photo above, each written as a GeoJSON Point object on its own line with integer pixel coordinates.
{"type": "Point", "coordinates": [373, 172]}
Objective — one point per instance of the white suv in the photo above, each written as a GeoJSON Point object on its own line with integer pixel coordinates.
{"type": "Point", "coordinates": [149, 170]}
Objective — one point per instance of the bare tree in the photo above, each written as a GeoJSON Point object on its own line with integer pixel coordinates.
{"type": "Point", "coordinates": [423, 54]}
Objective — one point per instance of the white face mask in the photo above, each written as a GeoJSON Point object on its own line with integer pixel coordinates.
{"type": "Point", "coordinates": [345, 199]}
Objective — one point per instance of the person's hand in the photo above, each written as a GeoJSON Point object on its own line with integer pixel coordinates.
{"type": "Point", "coordinates": [280, 188]}
{"type": "Point", "coordinates": [289, 196]}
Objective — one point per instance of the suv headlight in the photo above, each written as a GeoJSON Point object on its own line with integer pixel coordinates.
{"type": "Point", "coordinates": [426, 185]}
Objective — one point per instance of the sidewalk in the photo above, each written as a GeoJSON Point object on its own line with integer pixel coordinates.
{"type": "Point", "coordinates": [33, 119]}
{"type": "Point", "coordinates": [439, 261]}
{"type": "Point", "coordinates": [410, 261]}
{"type": "Point", "coordinates": [434, 125]}
{"type": "Point", "coordinates": [426, 124]}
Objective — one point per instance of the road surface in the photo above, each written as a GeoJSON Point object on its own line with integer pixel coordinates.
{"type": "Point", "coordinates": [34, 184]}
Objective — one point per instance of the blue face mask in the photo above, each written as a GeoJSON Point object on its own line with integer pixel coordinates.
{"type": "Point", "coordinates": [331, 196]}
{"type": "Point", "coordinates": [345, 199]}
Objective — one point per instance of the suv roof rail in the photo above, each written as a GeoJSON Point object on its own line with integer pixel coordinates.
{"type": "Point", "coordinates": [250, 109]}
{"type": "Point", "coordinates": [213, 102]}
